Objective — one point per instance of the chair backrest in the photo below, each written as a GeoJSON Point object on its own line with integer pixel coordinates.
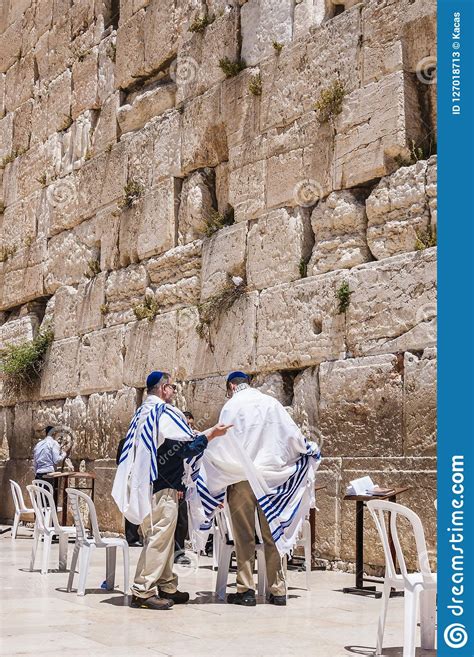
{"type": "Point", "coordinates": [17, 495]}
{"type": "Point", "coordinates": [45, 509]}
{"type": "Point", "coordinates": [385, 514]}
{"type": "Point", "coordinates": [41, 483]}
{"type": "Point", "coordinates": [74, 497]}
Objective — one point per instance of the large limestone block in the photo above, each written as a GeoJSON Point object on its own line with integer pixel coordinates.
{"type": "Point", "coordinates": [247, 190]}
{"type": "Point", "coordinates": [101, 360]}
{"type": "Point", "coordinates": [148, 227]}
{"type": "Point", "coordinates": [420, 403]}
{"type": "Point", "coordinates": [276, 385]}
{"type": "Point", "coordinates": [65, 312]}
{"type": "Point", "coordinates": [76, 142]}
{"type": "Point", "coordinates": [242, 127]}
{"type": "Point", "coordinates": [106, 72]}
{"type": "Point", "coordinates": [2, 94]}
{"type": "Point", "coordinates": [306, 403]}
{"type": "Point", "coordinates": [22, 285]}
{"type": "Point", "coordinates": [262, 23]}
{"type": "Point", "coordinates": [417, 473]}
{"type": "Point", "coordinates": [10, 45]}
{"type": "Point", "coordinates": [19, 82]}
{"type": "Point", "coordinates": [223, 255]}
{"type": "Point", "coordinates": [60, 377]}
{"type": "Point", "coordinates": [6, 426]}
{"type": "Point", "coordinates": [298, 324]}
{"type": "Point", "coordinates": [22, 126]}
{"type": "Point", "coordinates": [185, 292]}
{"type": "Point", "coordinates": [196, 204]}
{"type": "Point", "coordinates": [145, 106]}
{"type": "Point", "coordinates": [20, 224]}
{"type": "Point", "coordinates": [130, 53]}
{"type": "Point", "coordinates": [197, 65]}
{"type": "Point", "coordinates": [432, 189]}
{"type": "Point", "coordinates": [293, 81]}
{"type": "Point", "coordinates": [361, 406]}
{"type": "Point", "coordinates": [105, 133]}
{"type": "Point", "coordinates": [196, 358]}
{"type": "Point", "coordinates": [53, 50]}
{"type": "Point", "coordinates": [125, 288]}
{"type": "Point", "coordinates": [16, 331]}
{"type": "Point", "coordinates": [203, 139]}
{"type": "Point", "coordinates": [175, 264]}
{"type": "Point", "coordinates": [84, 83]}
{"type": "Point", "coordinates": [150, 346]}
{"type": "Point", "coordinates": [398, 211]}
{"type": "Point", "coordinates": [278, 244]}
{"type": "Point", "coordinates": [61, 207]}
{"type": "Point", "coordinates": [6, 135]}
{"type": "Point", "coordinates": [29, 171]}
{"type": "Point", "coordinates": [204, 399]}
{"type": "Point", "coordinates": [392, 304]}
{"type": "Point", "coordinates": [21, 471]}
{"type": "Point", "coordinates": [161, 31]}
{"type": "Point", "coordinates": [90, 304]}
{"type": "Point", "coordinates": [339, 225]}
{"type": "Point", "coordinates": [68, 260]}
{"type": "Point", "coordinates": [376, 125]}
{"type": "Point", "coordinates": [307, 14]}
{"type": "Point", "coordinates": [102, 180]}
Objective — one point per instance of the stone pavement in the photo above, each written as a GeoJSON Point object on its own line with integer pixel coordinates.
{"type": "Point", "coordinates": [38, 617]}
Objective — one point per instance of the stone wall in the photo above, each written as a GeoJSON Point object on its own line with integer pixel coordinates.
{"type": "Point", "coordinates": [122, 140]}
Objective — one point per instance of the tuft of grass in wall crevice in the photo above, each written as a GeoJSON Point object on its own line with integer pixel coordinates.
{"type": "Point", "coordinates": [21, 364]}
{"type": "Point", "coordinates": [343, 296]}
{"type": "Point", "coordinates": [212, 308]}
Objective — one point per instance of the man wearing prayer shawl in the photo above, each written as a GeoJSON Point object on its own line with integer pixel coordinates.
{"type": "Point", "coordinates": [149, 476]}
{"type": "Point", "coordinates": [264, 465]}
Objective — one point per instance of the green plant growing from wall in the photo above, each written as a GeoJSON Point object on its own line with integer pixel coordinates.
{"type": "Point", "coordinates": [211, 309]}
{"type": "Point", "coordinates": [7, 252]}
{"type": "Point", "coordinates": [343, 296]}
{"type": "Point", "coordinates": [200, 23]}
{"type": "Point", "coordinates": [426, 239]}
{"type": "Point", "coordinates": [255, 85]}
{"type": "Point", "coordinates": [22, 364]}
{"type": "Point", "coordinates": [148, 309]}
{"type": "Point", "coordinates": [329, 103]}
{"type": "Point", "coordinates": [303, 268]}
{"type": "Point", "coordinates": [217, 220]}
{"type": "Point", "coordinates": [131, 193]}
{"type": "Point", "coordinates": [230, 68]}
{"type": "Point", "coordinates": [277, 46]}
{"type": "Point", "coordinates": [93, 268]}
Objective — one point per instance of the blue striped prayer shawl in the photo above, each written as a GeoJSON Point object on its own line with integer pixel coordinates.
{"type": "Point", "coordinates": [146, 436]}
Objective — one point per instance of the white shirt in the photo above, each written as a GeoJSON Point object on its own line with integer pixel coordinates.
{"type": "Point", "coordinates": [46, 455]}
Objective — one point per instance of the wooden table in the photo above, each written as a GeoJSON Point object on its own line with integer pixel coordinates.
{"type": "Point", "coordinates": [63, 483]}
{"type": "Point", "coordinates": [359, 588]}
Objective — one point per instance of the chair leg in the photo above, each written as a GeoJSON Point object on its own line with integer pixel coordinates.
{"type": "Point", "coordinates": [428, 619]}
{"type": "Point", "coordinates": [410, 623]}
{"type": "Point", "coordinates": [16, 522]}
{"type": "Point", "coordinates": [382, 617]}
{"type": "Point", "coordinates": [72, 569]}
{"type": "Point", "coordinates": [126, 569]}
{"type": "Point", "coordinates": [84, 569]}
{"type": "Point", "coordinates": [46, 550]}
{"type": "Point", "coordinates": [34, 548]}
{"type": "Point", "coordinates": [225, 554]}
{"type": "Point", "coordinates": [262, 573]}
{"type": "Point", "coordinates": [110, 564]}
{"type": "Point", "coordinates": [63, 545]}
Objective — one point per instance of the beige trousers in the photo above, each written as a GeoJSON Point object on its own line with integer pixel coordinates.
{"type": "Point", "coordinates": [242, 506]}
{"type": "Point", "coordinates": [155, 565]}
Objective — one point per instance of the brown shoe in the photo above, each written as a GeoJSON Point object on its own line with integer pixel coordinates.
{"type": "Point", "coordinates": [154, 602]}
{"type": "Point", "coordinates": [178, 597]}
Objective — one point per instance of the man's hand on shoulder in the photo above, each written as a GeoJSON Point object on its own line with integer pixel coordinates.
{"type": "Point", "coordinates": [218, 430]}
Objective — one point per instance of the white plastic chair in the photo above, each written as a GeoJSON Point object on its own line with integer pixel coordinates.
{"type": "Point", "coordinates": [222, 537]}
{"type": "Point", "coordinates": [85, 545]}
{"type": "Point", "coordinates": [49, 487]}
{"type": "Point", "coordinates": [304, 541]}
{"type": "Point", "coordinates": [420, 584]}
{"type": "Point", "coordinates": [21, 509]}
{"type": "Point", "coordinates": [47, 525]}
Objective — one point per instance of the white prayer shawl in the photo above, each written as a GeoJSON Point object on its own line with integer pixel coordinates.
{"type": "Point", "coordinates": [266, 448]}
{"type": "Point", "coordinates": [153, 422]}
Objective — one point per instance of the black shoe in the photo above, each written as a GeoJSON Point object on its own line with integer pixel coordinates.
{"type": "Point", "coordinates": [246, 599]}
{"type": "Point", "coordinates": [151, 603]}
{"type": "Point", "coordinates": [135, 544]}
{"type": "Point", "coordinates": [278, 600]}
{"type": "Point", "coordinates": [178, 597]}
{"type": "Point", "coordinates": [183, 560]}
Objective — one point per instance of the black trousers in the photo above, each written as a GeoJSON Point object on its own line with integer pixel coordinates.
{"type": "Point", "coordinates": [131, 532]}
{"type": "Point", "coordinates": [181, 532]}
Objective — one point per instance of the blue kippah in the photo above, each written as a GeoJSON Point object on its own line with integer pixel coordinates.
{"type": "Point", "coordinates": [237, 375]}
{"type": "Point", "coordinates": [153, 378]}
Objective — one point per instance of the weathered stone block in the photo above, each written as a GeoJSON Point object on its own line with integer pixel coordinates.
{"type": "Point", "coordinates": [60, 377]}
{"type": "Point", "coordinates": [68, 260]}
{"type": "Point", "coordinates": [22, 285]}
{"type": "Point", "coordinates": [16, 331]}
{"type": "Point", "coordinates": [84, 83]}
{"type": "Point", "coordinates": [184, 292]}
{"type": "Point", "coordinates": [420, 403]}
{"type": "Point", "coordinates": [6, 135]}
{"type": "Point", "coordinates": [145, 106]}
{"type": "Point", "coordinates": [19, 82]}
{"type": "Point", "coordinates": [196, 358]}
{"type": "Point", "coordinates": [102, 180]}
{"type": "Point", "coordinates": [108, 515]}
{"type": "Point", "coordinates": [328, 513]}
{"type": "Point", "coordinates": [398, 211]}
{"type": "Point", "coordinates": [204, 399]}
{"type": "Point", "coordinates": [125, 288]}
{"type": "Point", "coordinates": [306, 403]}
{"type": "Point", "coordinates": [339, 225]}
{"type": "Point", "coordinates": [247, 190]}
{"type": "Point", "coordinates": [223, 254]}
{"type": "Point", "coordinates": [275, 385]}
{"type": "Point", "coordinates": [392, 304]}
{"type": "Point", "coordinates": [262, 23]}
{"type": "Point", "coordinates": [65, 312]}
{"type": "Point", "coordinates": [160, 33]}
{"type": "Point", "coordinates": [90, 304]}
{"type": "Point", "coordinates": [105, 133]}
{"type": "Point", "coordinates": [373, 129]}
{"type": "Point", "coordinates": [130, 53]}
{"type": "Point", "coordinates": [101, 361]}
{"type": "Point", "coordinates": [278, 244]}
{"type": "Point", "coordinates": [361, 406]}
{"type": "Point", "coordinates": [196, 205]}
{"type": "Point", "coordinates": [175, 264]}
{"type": "Point", "coordinates": [298, 324]}
{"type": "Point", "coordinates": [150, 346]}
{"type": "Point", "coordinates": [203, 139]}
